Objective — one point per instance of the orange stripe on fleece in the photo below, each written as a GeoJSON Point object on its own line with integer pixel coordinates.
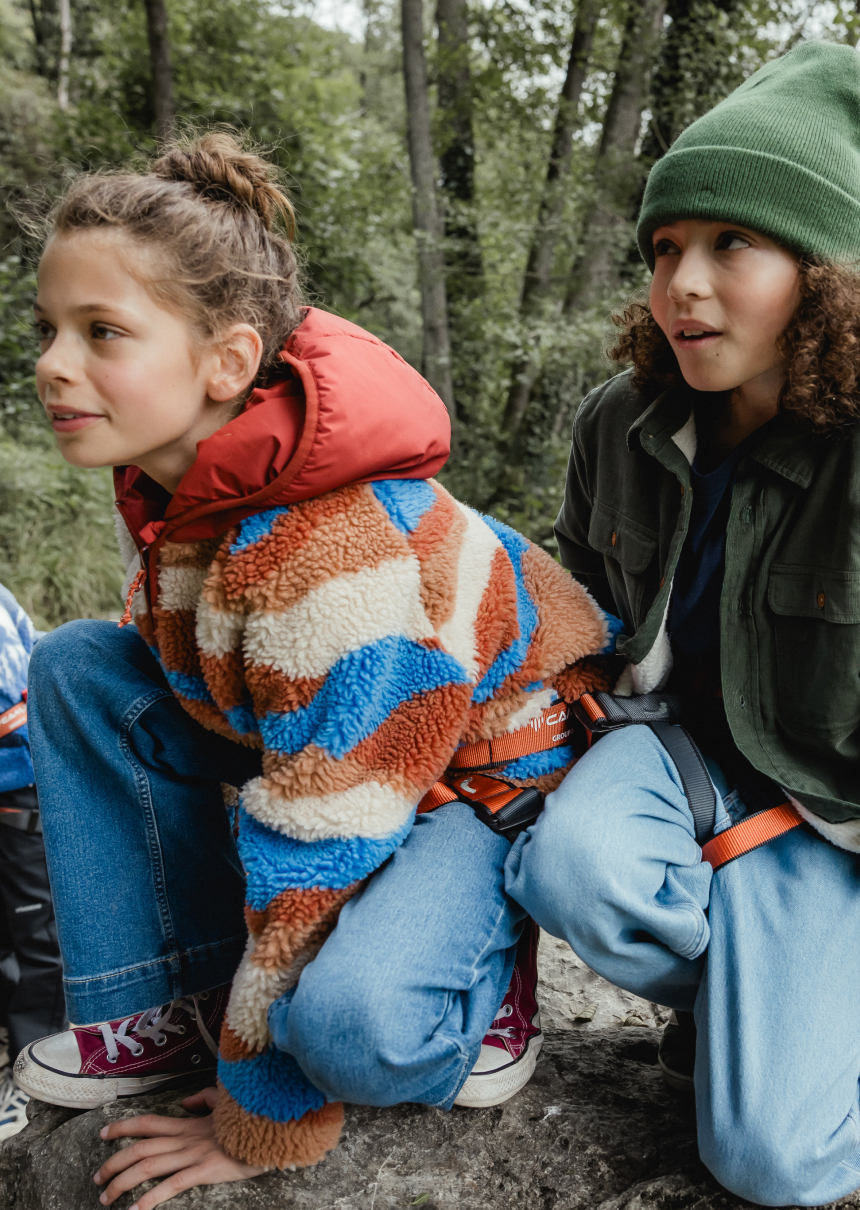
{"type": "Point", "coordinates": [272, 690]}
{"type": "Point", "coordinates": [263, 1143]}
{"type": "Point", "coordinates": [282, 940]}
{"type": "Point", "coordinates": [225, 676]}
{"type": "Point", "coordinates": [313, 773]}
{"type": "Point", "coordinates": [282, 568]}
{"type": "Point", "coordinates": [190, 554]}
{"type": "Point", "coordinates": [298, 907]}
{"type": "Point", "coordinates": [496, 625]}
{"type": "Point", "coordinates": [232, 1048]}
{"type": "Point", "coordinates": [418, 738]}
{"type": "Point", "coordinates": [177, 641]}
{"type": "Point", "coordinates": [436, 544]}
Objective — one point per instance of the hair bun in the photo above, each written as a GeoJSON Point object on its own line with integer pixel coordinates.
{"type": "Point", "coordinates": [218, 167]}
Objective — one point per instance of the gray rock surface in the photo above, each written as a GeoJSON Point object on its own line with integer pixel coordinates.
{"type": "Point", "coordinates": [594, 1130]}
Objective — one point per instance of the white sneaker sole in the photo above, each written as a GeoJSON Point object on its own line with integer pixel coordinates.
{"type": "Point", "coordinates": [488, 1088]}
{"type": "Point", "coordinates": [81, 1092]}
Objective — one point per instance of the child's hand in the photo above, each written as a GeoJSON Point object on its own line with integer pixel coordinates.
{"type": "Point", "coordinates": [184, 1150]}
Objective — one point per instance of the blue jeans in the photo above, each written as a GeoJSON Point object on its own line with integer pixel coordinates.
{"type": "Point", "coordinates": [765, 951]}
{"type": "Point", "coordinates": [148, 887]}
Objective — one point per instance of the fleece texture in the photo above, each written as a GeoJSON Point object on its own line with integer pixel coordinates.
{"type": "Point", "coordinates": [356, 636]}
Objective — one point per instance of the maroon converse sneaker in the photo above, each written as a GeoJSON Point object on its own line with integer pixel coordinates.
{"type": "Point", "coordinates": [510, 1049]}
{"type": "Point", "coordinates": [95, 1064]}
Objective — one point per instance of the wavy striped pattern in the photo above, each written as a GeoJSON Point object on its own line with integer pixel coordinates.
{"type": "Point", "coordinates": [359, 638]}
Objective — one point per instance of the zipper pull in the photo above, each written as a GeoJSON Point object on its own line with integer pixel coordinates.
{"type": "Point", "coordinates": [136, 583]}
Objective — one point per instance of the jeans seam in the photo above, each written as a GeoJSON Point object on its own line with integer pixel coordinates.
{"type": "Point", "coordinates": [159, 881]}
{"type": "Point", "coordinates": [170, 959]}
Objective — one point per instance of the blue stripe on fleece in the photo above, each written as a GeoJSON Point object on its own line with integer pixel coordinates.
{"type": "Point", "coordinates": [405, 500]}
{"type": "Point", "coordinates": [242, 719]}
{"type": "Point", "coordinates": [271, 1085]}
{"type": "Point", "coordinates": [274, 862]}
{"type": "Point", "coordinates": [538, 763]}
{"type": "Point", "coordinates": [252, 529]}
{"type": "Point", "coordinates": [511, 659]}
{"type": "Point", "coordinates": [193, 687]}
{"type": "Point", "coordinates": [361, 690]}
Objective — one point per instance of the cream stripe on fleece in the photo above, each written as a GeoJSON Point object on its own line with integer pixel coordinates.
{"type": "Point", "coordinates": [532, 708]}
{"type": "Point", "coordinates": [254, 989]}
{"type": "Point", "coordinates": [477, 551]}
{"type": "Point", "coordinates": [342, 615]}
{"type": "Point", "coordinates": [218, 631]}
{"type": "Point", "coordinates": [844, 835]}
{"type": "Point", "coordinates": [180, 587]}
{"type": "Point", "coordinates": [371, 810]}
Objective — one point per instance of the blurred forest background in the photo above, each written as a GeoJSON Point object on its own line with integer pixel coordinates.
{"type": "Point", "coordinates": [466, 177]}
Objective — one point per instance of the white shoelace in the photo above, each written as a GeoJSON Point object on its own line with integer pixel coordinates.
{"type": "Point", "coordinates": [507, 1031]}
{"type": "Point", "coordinates": [12, 1098]}
{"type": "Point", "coordinates": [155, 1023]}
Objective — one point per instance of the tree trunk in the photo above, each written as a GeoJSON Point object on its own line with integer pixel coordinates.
{"type": "Point", "coordinates": [65, 54]}
{"type": "Point", "coordinates": [436, 354]}
{"type": "Point", "coordinates": [537, 281]}
{"type": "Point", "coordinates": [162, 73]}
{"type": "Point", "coordinates": [464, 278]}
{"type": "Point", "coordinates": [44, 29]}
{"type": "Point", "coordinates": [618, 172]}
{"type": "Point", "coordinates": [698, 66]}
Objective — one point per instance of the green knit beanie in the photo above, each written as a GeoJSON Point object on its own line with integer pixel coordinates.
{"type": "Point", "coordinates": [780, 155]}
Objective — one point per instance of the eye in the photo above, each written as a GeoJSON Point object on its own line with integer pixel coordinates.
{"type": "Point", "coordinates": [665, 247]}
{"type": "Point", "coordinates": [732, 241]}
{"type": "Point", "coordinates": [43, 330]}
{"type": "Point", "coordinates": [103, 332]}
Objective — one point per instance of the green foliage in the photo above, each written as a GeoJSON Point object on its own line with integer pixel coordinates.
{"type": "Point", "coordinates": [332, 110]}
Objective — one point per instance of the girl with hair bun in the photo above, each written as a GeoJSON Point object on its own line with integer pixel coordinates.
{"type": "Point", "coordinates": [317, 622]}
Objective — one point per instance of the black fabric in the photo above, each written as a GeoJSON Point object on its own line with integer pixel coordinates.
{"type": "Point", "coordinates": [698, 787]}
{"type": "Point", "coordinates": [31, 973]}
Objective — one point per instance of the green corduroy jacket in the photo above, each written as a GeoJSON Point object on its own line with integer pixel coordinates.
{"type": "Point", "coordinates": [790, 606]}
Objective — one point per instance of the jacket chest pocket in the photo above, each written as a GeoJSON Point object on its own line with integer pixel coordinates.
{"type": "Point", "coordinates": [816, 619]}
{"type": "Point", "coordinates": [627, 548]}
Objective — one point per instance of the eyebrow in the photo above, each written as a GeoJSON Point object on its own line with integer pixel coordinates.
{"type": "Point", "coordinates": [87, 308]}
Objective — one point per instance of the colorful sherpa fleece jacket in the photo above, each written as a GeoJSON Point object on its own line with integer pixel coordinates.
{"type": "Point", "coordinates": [358, 635]}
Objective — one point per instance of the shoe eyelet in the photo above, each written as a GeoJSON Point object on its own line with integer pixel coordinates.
{"type": "Point", "coordinates": [195, 1058]}
{"type": "Point", "coordinates": [137, 1053]}
{"type": "Point", "coordinates": [180, 1029]}
{"type": "Point", "coordinates": [162, 1042]}
{"type": "Point", "coordinates": [110, 1060]}
{"type": "Point", "coordinates": [203, 996]}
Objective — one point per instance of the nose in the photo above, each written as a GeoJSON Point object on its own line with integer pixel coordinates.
{"type": "Point", "coordinates": [691, 278]}
{"type": "Point", "coordinates": [57, 364]}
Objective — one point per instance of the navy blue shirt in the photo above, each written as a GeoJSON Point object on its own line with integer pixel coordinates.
{"type": "Point", "coordinates": [694, 626]}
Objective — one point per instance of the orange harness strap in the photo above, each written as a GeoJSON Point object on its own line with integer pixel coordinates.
{"type": "Point", "coordinates": [751, 834]}
{"type": "Point", "coordinates": [548, 730]}
{"type": "Point", "coordinates": [13, 718]}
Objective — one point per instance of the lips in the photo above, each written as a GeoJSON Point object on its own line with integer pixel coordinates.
{"type": "Point", "coordinates": [70, 420]}
{"type": "Point", "coordinates": [689, 333]}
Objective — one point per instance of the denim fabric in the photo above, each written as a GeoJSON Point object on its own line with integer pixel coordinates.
{"type": "Point", "coordinates": [147, 883]}
{"type": "Point", "coordinates": [763, 951]}
{"type": "Point", "coordinates": [395, 1006]}
{"type": "Point", "coordinates": [148, 887]}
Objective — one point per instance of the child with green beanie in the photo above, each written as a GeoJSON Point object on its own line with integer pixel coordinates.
{"type": "Point", "coordinates": [713, 503]}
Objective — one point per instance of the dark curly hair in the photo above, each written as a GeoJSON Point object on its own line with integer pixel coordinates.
{"type": "Point", "coordinates": [821, 345]}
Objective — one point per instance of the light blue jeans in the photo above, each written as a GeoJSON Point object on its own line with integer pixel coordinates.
{"type": "Point", "coordinates": [765, 951]}
{"type": "Point", "coordinates": [148, 887]}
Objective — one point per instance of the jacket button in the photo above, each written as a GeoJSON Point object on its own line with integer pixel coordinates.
{"type": "Point", "coordinates": [821, 600]}
{"type": "Point", "coordinates": [614, 537]}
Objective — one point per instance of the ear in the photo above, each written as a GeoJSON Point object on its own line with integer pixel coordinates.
{"type": "Point", "coordinates": [237, 358]}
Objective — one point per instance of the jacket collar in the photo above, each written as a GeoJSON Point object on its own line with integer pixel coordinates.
{"type": "Point", "coordinates": [785, 448]}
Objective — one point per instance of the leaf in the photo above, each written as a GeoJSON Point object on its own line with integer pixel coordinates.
{"type": "Point", "coordinates": [421, 1199]}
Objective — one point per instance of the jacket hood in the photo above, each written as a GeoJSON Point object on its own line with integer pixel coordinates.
{"type": "Point", "coordinates": [353, 411]}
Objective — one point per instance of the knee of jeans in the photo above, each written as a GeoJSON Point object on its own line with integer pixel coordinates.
{"type": "Point", "coordinates": [69, 647]}
{"type": "Point", "coordinates": [765, 1169]}
{"type": "Point", "coordinates": [337, 1033]}
{"type": "Point", "coordinates": [566, 873]}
